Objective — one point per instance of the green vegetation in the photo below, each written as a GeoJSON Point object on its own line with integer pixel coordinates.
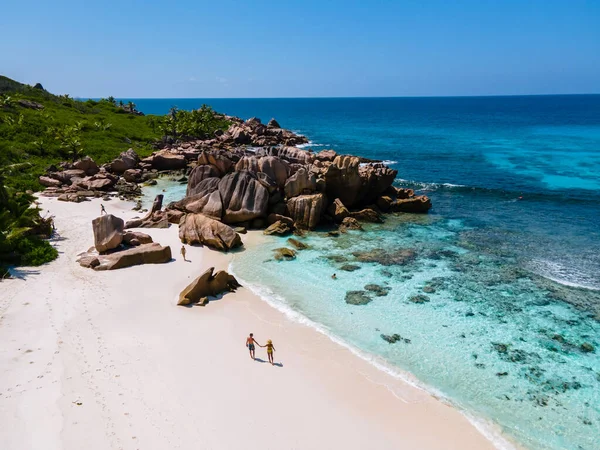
{"type": "Point", "coordinates": [200, 123]}
{"type": "Point", "coordinates": [42, 129]}
{"type": "Point", "coordinates": [22, 229]}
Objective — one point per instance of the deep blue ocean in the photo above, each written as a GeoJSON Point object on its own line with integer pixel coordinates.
{"type": "Point", "coordinates": [508, 260]}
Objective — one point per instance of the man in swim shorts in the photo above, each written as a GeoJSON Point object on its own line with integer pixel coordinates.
{"type": "Point", "coordinates": [250, 343]}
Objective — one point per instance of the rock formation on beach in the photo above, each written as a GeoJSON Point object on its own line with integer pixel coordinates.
{"type": "Point", "coordinates": [114, 248]}
{"type": "Point", "coordinates": [209, 284]}
{"type": "Point", "coordinates": [250, 176]}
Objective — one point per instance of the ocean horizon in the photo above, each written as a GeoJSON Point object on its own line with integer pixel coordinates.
{"type": "Point", "coordinates": [498, 302]}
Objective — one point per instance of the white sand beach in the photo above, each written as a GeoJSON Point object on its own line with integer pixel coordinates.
{"type": "Point", "coordinates": [106, 360]}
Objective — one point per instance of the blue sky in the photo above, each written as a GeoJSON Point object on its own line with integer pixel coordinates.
{"type": "Point", "coordinates": [194, 48]}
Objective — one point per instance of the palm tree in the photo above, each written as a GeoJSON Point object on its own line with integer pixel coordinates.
{"type": "Point", "coordinates": [131, 106]}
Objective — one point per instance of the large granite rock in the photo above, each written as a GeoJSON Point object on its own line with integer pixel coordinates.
{"type": "Point", "coordinates": [343, 180]}
{"type": "Point", "coordinates": [326, 155]}
{"type": "Point", "coordinates": [302, 182]}
{"type": "Point", "coordinates": [217, 160]}
{"type": "Point", "coordinates": [136, 238]}
{"type": "Point", "coordinates": [67, 176]}
{"type": "Point", "coordinates": [275, 168]}
{"type": "Point", "coordinates": [126, 160]}
{"type": "Point", "coordinates": [243, 196]}
{"type": "Point", "coordinates": [208, 284]}
{"type": "Point", "coordinates": [165, 160]}
{"type": "Point", "coordinates": [201, 229]}
{"type": "Point", "coordinates": [49, 182]}
{"type": "Point", "coordinates": [108, 232]}
{"type": "Point", "coordinates": [376, 179]}
{"type": "Point", "coordinates": [199, 174]}
{"type": "Point", "coordinates": [88, 165]}
{"type": "Point", "coordinates": [153, 253]}
{"type": "Point", "coordinates": [306, 210]}
{"type": "Point", "coordinates": [205, 199]}
{"type": "Point", "coordinates": [290, 154]}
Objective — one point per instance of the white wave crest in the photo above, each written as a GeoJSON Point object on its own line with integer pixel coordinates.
{"type": "Point", "coordinates": [487, 428]}
{"type": "Point", "coordinates": [562, 274]}
{"type": "Point", "coordinates": [310, 144]}
{"type": "Point", "coordinates": [429, 186]}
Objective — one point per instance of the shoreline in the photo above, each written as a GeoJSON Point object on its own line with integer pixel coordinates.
{"type": "Point", "coordinates": [331, 394]}
{"type": "Point", "coordinates": [487, 428]}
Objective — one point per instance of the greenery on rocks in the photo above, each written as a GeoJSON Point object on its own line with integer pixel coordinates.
{"type": "Point", "coordinates": [200, 123]}
{"type": "Point", "coordinates": [41, 129]}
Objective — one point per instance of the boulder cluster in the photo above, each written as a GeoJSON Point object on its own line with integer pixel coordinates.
{"type": "Point", "coordinates": [116, 248]}
{"type": "Point", "coordinates": [250, 176]}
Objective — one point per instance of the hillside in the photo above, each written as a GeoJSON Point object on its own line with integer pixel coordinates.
{"type": "Point", "coordinates": [41, 129]}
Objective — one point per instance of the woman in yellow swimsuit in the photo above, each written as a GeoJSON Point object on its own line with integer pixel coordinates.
{"type": "Point", "coordinates": [270, 349]}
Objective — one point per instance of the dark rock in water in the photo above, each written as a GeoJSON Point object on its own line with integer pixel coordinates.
{"type": "Point", "coordinates": [387, 258]}
{"type": "Point", "coordinates": [279, 228]}
{"type": "Point", "coordinates": [338, 211]}
{"type": "Point", "coordinates": [379, 291]}
{"type": "Point", "coordinates": [419, 299]}
{"type": "Point", "coordinates": [333, 233]}
{"type": "Point", "coordinates": [393, 338]}
{"type": "Point", "coordinates": [420, 204]}
{"type": "Point", "coordinates": [349, 267]}
{"type": "Point", "coordinates": [284, 254]}
{"type": "Point", "coordinates": [469, 314]}
{"type": "Point", "coordinates": [296, 243]}
{"type": "Point", "coordinates": [586, 347]}
{"type": "Point", "coordinates": [350, 223]}
{"type": "Point", "coordinates": [337, 258]}
{"type": "Point", "coordinates": [500, 348]}
{"type": "Point", "coordinates": [515, 355]}
{"type": "Point", "coordinates": [429, 289]}
{"type": "Point", "coordinates": [357, 298]}
{"type": "Point", "coordinates": [480, 366]}
{"type": "Point", "coordinates": [367, 215]}
{"type": "Point", "coordinates": [502, 374]}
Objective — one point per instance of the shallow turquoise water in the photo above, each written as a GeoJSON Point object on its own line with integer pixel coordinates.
{"type": "Point", "coordinates": [511, 247]}
{"type": "Point", "coordinates": [488, 338]}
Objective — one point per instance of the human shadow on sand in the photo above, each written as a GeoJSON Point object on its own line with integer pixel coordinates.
{"type": "Point", "coordinates": [278, 364]}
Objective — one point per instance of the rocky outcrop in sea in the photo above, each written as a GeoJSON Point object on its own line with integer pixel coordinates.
{"type": "Point", "coordinates": [250, 177]}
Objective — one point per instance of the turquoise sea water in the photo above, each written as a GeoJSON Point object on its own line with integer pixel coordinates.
{"type": "Point", "coordinates": [508, 258]}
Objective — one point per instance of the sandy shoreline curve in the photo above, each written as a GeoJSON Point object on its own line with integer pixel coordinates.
{"type": "Point", "coordinates": [103, 360]}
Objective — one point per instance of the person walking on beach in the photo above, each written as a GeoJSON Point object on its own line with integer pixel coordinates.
{"type": "Point", "coordinates": [270, 349]}
{"type": "Point", "coordinates": [250, 342]}
{"type": "Point", "coordinates": [102, 209]}
{"type": "Point", "coordinates": [183, 252]}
